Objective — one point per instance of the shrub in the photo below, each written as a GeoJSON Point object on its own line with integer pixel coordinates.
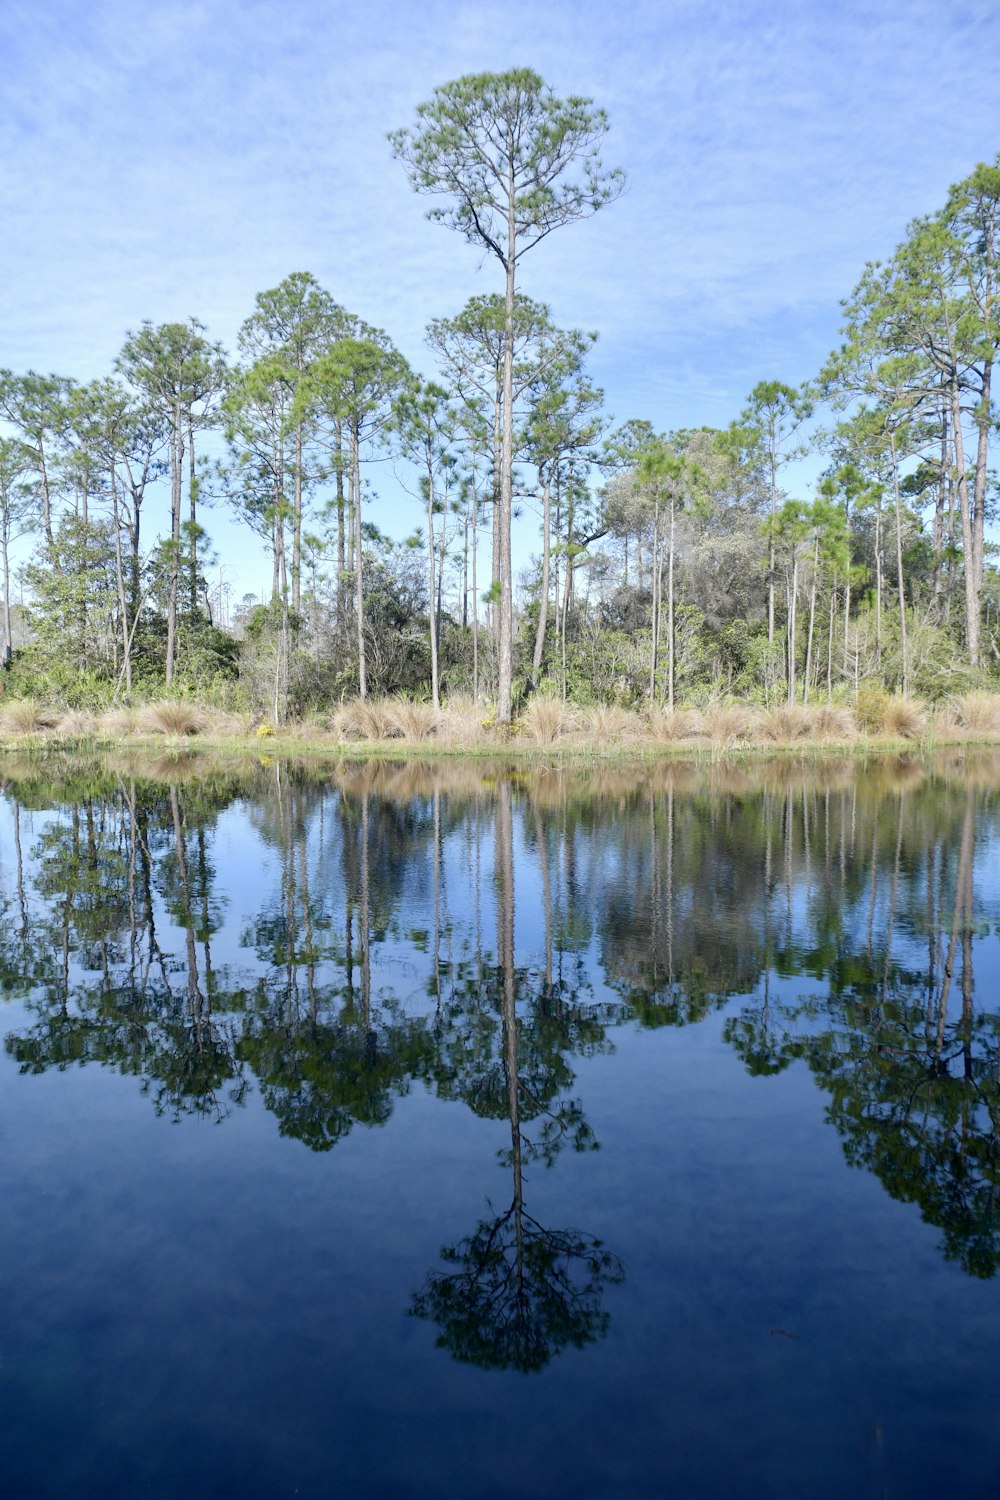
{"type": "Point", "coordinates": [785, 723]}
{"type": "Point", "coordinates": [976, 712]}
{"type": "Point", "coordinates": [464, 721]}
{"type": "Point", "coordinates": [608, 724]}
{"type": "Point", "coordinates": [832, 721]}
{"type": "Point", "coordinates": [870, 707]}
{"type": "Point", "coordinates": [728, 723]}
{"type": "Point", "coordinates": [547, 719]}
{"type": "Point", "coordinates": [172, 717]}
{"type": "Point", "coordinates": [903, 718]}
{"type": "Point", "coordinates": [26, 716]}
{"type": "Point", "coordinates": [413, 721]}
{"type": "Point", "coordinates": [370, 719]}
{"type": "Point", "coordinates": [667, 726]}
{"type": "Point", "coordinates": [75, 724]}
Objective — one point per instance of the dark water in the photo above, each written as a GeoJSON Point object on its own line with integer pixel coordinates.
{"type": "Point", "coordinates": [443, 1132]}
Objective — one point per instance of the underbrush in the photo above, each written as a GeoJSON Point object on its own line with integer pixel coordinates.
{"type": "Point", "coordinates": [463, 723]}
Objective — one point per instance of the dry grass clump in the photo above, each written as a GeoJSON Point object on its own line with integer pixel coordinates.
{"type": "Point", "coordinates": [903, 718]}
{"type": "Point", "coordinates": [370, 719]}
{"type": "Point", "coordinates": [785, 723]}
{"type": "Point", "coordinates": [978, 713]}
{"type": "Point", "coordinates": [26, 716]}
{"type": "Point", "coordinates": [879, 712]}
{"type": "Point", "coordinates": [412, 721]}
{"type": "Point", "coordinates": [75, 724]}
{"type": "Point", "coordinates": [729, 723]}
{"type": "Point", "coordinates": [609, 724]}
{"type": "Point", "coordinates": [667, 726]}
{"type": "Point", "coordinates": [221, 722]}
{"type": "Point", "coordinates": [173, 718]}
{"type": "Point", "coordinates": [832, 721]}
{"type": "Point", "coordinates": [118, 722]}
{"type": "Point", "coordinates": [546, 720]}
{"type": "Point", "coordinates": [465, 721]}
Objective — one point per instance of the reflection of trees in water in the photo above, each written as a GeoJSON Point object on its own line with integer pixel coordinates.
{"type": "Point", "coordinates": [147, 1011]}
{"type": "Point", "coordinates": [691, 896]}
{"type": "Point", "coordinates": [326, 1052]}
{"type": "Point", "coordinates": [515, 1293]}
{"type": "Point", "coordinates": [911, 1069]}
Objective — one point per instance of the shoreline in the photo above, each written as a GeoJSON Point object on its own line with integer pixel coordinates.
{"type": "Point", "coordinates": [321, 749]}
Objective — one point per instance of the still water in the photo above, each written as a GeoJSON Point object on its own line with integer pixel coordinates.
{"type": "Point", "coordinates": [449, 1131]}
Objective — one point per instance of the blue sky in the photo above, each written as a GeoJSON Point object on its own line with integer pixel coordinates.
{"type": "Point", "coordinates": [173, 159]}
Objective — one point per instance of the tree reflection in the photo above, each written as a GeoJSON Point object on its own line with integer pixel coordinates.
{"type": "Point", "coordinates": [832, 918]}
{"type": "Point", "coordinates": [515, 1292]}
{"type": "Point", "coordinates": [913, 1081]}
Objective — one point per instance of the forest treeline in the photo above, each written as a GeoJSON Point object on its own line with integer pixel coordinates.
{"type": "Point", "coordinates": [666, 566]}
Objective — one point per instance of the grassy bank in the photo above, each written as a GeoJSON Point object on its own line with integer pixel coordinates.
{"type": "Point", "coordinates": [548, 729]}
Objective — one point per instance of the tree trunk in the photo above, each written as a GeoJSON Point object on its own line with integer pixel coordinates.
{"type": "Point", "coordinates": [968, 530]}
{"type": "Point", "coordinates": [465, 571]}
{"type": "Point", "coordinates": [176, 467]}
{"type": "Point", "coordinates": [812, 620]}
{"type": "Point", "coordinates": [297, 523]}
{"type": "Point", "coordinates": [543, 588]}
{"type": "Point", "coordinates": [792, 601]}
{"type": "Point", "coordinates": [899, 569]}
{"type": "Point", "coordinates": [654, 634]}
{"type": "Point", "coordinates": [358, 574]}
{"type": "Point", "coordinates": [341, 533]}
{"type": "Point", "coordinates": [193, 513]}
{"type": "Point", "coordinates": [432, 620]}
{"type": "Point", "coordinates": [8, 635]}
{"type": "Point", "coordinates": [670, 607]}
{"type": "Point", "coordinates": [879, 545]}
{"type": "Point", "coordinates": [506, 640]}
{"type": "Point", "coordinates": [119, 580]}
{"type": "Point", "coordinates": [770, 549]}
{"type": "Point", "coordinates": [829, 646]}
{"type": "Point", "coordinates": [475, 599]}
{"type": "Point", "coordinates": [46, 495]}
{"type": "Point", "coordinates": [984, 424]}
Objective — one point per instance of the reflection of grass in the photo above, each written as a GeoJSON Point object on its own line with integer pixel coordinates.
{"type": "Point", "coordinates": [547, 729]}
{"type": "Point", "coordinates": [397, 774]}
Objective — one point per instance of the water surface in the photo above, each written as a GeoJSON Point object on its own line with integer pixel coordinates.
{"type": "Point", "coordinates": [417, 1131]}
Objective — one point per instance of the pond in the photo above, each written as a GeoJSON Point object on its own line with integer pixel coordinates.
{"type": "Point", "coordinates": [424, 1130]}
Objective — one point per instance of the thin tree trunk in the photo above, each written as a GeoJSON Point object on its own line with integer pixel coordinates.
{"type": "Point", "coordinates": [829, 647]}
{"type": "Point", "coordinates": [475, 599]}
{"type": "Point", "coordinates": [968, 530]}
{"type": "Point", "coordinates": [899, 569]}
{"type": "Point", "coordinates": [792, 601]}
{"type": "Point", "coordinates": [495, 518]}
{"type": "Point", "coordinates": [341, 533]}
{"type": "Point", "coordinates": [358, 575]}
{"type": "Point", "coordinates": [655, 620]}
{"type": "Point", "coordinates": [812, 619]}
{"type": "Point", "coordinates": [984, 423]}
{"type": "Point", "coordinates": [176, 467]}
{"type": "Point", "coordinates": [770, 551]}
{"type": "Point", "coordinates": [120, 581]}
{"type": "Point", "coordinates": [506, 641]}
{"type": "Point", "coordinates": [543, 588]}
{"type": "Point", "coordinates": [878, 584]}
{"type": "Point", "coordinates": [432, 619]}
{"type": "Point", "coordinates": [297, 522]}
{"type": "Point", "coordinates": [193, 515]}
{"type": "Point", "coordinates": [670, 607]}
{"type": "Point", "coordinates": [8, 634]}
